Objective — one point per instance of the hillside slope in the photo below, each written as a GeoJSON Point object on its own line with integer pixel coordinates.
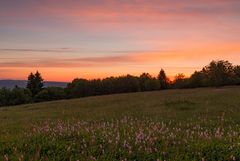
{"type": "Point", "coordinates": [177, 104]}
{"type": "Point", "coordinates": [206, 120]}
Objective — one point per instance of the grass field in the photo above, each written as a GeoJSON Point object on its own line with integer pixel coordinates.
{"type": "Point", "coordinates": [189, 124]}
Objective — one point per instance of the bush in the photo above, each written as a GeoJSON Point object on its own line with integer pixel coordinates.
{"type": "Point", "coordinates": [49, 94]}
{"type": "Point", "coordinates": [78, 88]}
{"type": "Point", "coordinates": [20, 96]}
{"type": "Point", "coordinates": [15, 96]}
{"type": "Point", "coordinates": [5, 95]}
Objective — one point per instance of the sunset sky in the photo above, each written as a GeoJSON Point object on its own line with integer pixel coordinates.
{"type": "Point", "coordinates": [65, 39]}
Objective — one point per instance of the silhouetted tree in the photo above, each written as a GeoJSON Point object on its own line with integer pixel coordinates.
{"type": "Point", "coordinates": [219, 73]}
{"type": "Point", "coordinates": [30, 83]}
{"type": "Point", "coordinates": [78, 88]}
{"type": "Point", "coordinates": [35, 83]}
{"type": "Point", "coordinates": [198, 79]}
{"type": "Point", "coordinates": [144, 80]}
{"type": "Point", "coordinates": [124, 84]}
{"type": "Point", "coordinates": [148, 83]}
{"type": "Point", "coordinates": [108, 85]}
{"type": "Point", "coordinates": [180, 81]}
{"type": "Point", "coordinates": [164, 81]}
{"type": "Point", "coordinates": [96, 87]}
{"type": "Point", "coordinates": [237, 74]}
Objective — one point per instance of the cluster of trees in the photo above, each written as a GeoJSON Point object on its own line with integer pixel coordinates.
{"type": "Point", "coordinates": [34, 92]}
{"type": "Point", "coordinates": [122, 84]}
{"type": "Point", "coordinates": [19, 95]}
{"type": "Point", "coordinates": [217, 73]}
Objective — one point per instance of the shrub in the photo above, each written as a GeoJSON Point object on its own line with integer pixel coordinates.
{"type": "Point", "coordinates": [15, 96]}
{"type": "Point", "coordinates": [49, 94]}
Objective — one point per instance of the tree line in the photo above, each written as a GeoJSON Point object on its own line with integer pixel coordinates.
{"type": "Point", "coordinates": [216, 74]}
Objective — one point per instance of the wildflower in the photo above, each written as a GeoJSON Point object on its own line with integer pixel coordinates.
{"type": "Point", "coordinates": [5, 157]}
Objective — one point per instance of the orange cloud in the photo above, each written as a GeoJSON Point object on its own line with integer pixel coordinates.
{"type": "Point", "coordinates": [167, 58]}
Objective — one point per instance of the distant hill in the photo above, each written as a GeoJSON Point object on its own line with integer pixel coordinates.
{"type": "Point", "coordinates": [22, 83]}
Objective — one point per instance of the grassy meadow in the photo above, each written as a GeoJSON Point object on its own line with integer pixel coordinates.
{"type": "Point", "coordinates": [185, 124]}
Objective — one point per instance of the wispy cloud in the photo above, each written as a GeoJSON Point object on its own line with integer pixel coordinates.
{"type": "Point", "coordinates": [138, 59]}
{"type": "Point", "coordinates": [108, 11]}
{"type": "Point", "coordinates": [37, 50]}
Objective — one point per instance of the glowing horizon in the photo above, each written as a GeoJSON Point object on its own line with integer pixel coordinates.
{"type": "Point", "coordinates": [100, 38]}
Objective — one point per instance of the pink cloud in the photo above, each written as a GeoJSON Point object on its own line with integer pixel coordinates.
{"type": "Point", "coordinates": [120, 12]}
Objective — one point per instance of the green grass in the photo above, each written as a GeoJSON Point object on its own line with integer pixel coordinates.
{"type": "Point", "coordinates": [164, 120]}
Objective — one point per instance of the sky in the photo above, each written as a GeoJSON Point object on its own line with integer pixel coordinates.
{"type": "Point", "coordinates": [67, 39]}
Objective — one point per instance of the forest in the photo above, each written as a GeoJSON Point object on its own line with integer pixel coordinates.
{"type": "Point", "coordinates": [215, 74]}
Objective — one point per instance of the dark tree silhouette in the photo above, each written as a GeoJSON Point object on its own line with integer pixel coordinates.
{"type": "Point", "coordinates": [148, 83]}
{"type": "Point", "coordinates": [164, 81]}
{"type": "Point", "coordinates": [237, 74]}
{"type": "Point", "coordinates": [180, 81]}
{"type": "Point", "coordinates": [219, 73]}
{"type": "Point", "coordinates": [78, 88]}
{"type": "Point", "coordinates": [35, 83]}
{"type": "Point", "coordinates": [144, 80]}
{"type": "Point", "coordinates": [198, 79]}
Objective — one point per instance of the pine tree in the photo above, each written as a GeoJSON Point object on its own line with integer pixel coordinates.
{"type": "Point", "coordinates": [30, 83]}
{"type": "Point", "coordinates": [164, 82]}
{"type": "Point", "coordinates": [39, 81]}
{"type": "Point", "coordinates": [35, 83]}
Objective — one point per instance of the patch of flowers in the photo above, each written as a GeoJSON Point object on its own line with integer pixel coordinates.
{"type": "Point", "coordinates": [130, 138]}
